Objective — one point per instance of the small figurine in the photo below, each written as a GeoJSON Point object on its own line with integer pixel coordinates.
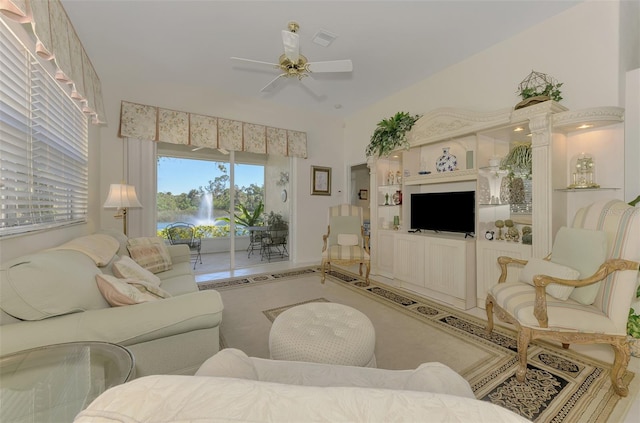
{"type": "Point", "coordinates": [527, 236]}
{"type": "Point", "coordinates": [499, 224]}
{"type": "Point", "coordinates": [512, 232]}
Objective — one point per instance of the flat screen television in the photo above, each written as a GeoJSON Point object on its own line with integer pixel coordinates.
{"type": "Point", "coordinates": [444, 211]}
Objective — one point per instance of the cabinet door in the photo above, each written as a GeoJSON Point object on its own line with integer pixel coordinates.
{"type": "Point", "coordinates": [488, 268]}
{"type": "Point", "coordinates": [384, 254]}
{"type": "Point", "coordinates": [409, 259]}
{"type": "Point", "coordinates": [446, 266]}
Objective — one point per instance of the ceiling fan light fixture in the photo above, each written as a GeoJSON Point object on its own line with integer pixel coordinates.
{"type": "Point", "coordinates": [324, 38]}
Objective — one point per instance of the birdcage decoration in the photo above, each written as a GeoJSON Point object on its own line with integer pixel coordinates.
{"type": "Point", "coordinates": [538, 87]}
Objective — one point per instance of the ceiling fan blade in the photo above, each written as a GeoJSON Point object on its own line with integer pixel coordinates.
{"type": "Point", "coordinates": [273, 84]}
{"type": "Point", "coordinates": [331, 66]}
{"type": "Point", "coordinates": [291, 42]}
{"type": "Point", "coordinates": [273, 65]}
{"type": "Point", "coordinates": [312, 85]}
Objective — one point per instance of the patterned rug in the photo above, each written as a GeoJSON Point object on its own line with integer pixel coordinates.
{"type": "Point", "coordinates": [560, 386]}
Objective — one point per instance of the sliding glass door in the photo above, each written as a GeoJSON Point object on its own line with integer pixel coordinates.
{"type": "Point", "coordinates": [202, 186]}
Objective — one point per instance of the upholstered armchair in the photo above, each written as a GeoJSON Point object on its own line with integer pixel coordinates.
{"type": "Point", "coordinates": [581, 292]}
{"type": "Point", "coordinates": [345, 242]}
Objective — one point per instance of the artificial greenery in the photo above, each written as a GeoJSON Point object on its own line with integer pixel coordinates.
{"type": "Point", "coordinates": [538, 84]}
{"type": "Point", "coordinates": [518, 161]}
{"type": "Point", "coordinates": [550, 90]}
{"type": "Point", "coordinates": [390, 134]}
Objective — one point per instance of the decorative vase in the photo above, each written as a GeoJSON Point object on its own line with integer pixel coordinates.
{"type": "Point", "coordinates": [447, 162]}
{"type": "Point", "coordinates": [505, 191]}
{"type": "Point", "coordinates": [517, 191]}
{"type": "Point", "coordinates": [397, 198]}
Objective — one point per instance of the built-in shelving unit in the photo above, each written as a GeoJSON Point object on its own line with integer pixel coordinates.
{"type": "Point", "coordinates": [430, 263]}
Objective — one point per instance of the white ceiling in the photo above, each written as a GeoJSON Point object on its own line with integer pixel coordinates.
{"type": "Point", "coordinates": [393, 44]}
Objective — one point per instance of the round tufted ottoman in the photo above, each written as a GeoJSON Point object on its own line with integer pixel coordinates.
{"type": "Point", "coordinates": [323, 333]}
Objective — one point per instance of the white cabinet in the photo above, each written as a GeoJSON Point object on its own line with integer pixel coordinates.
{"type": "Point", "coordinates": [384, 253]}
{"type": "Point", "coordinates": [409, 258]}
{"type": "Point", "coordinates": [438, 266]}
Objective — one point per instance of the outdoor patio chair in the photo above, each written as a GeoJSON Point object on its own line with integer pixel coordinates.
{"type": "Point", "coordinates": [185, 233]}
{"type": "Point", "coordinates": [274, 243]}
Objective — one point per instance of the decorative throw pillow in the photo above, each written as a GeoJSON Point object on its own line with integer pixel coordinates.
{"type": "Point", "coordinates": [584, 250]}
{"type": "Point", "coordinates": [125, 267]}
{"type": "Point", "coordinates": [347, 239]}
{"type": "Point", "coordinates": [118, 292]}
{"type": "Point", "coordinates": [536, 266]}
{"type": "Point", "coordinates": [229, 362]}
{"type": "Point", "coordinates": [148, 288]}
{"type": "Point", "coordinates": [150, 253]}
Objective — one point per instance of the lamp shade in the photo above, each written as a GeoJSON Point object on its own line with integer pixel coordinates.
{"type": "Point", "coordinates": [122, 196]}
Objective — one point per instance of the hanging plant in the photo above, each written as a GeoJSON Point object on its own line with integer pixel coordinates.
{"type": "Point", "coordinates": [518, 161]}
{"type": "Point", "coordinates": [391, 134]}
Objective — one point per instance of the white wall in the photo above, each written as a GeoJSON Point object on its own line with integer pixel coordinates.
{"type": "Point", "coordinates": [579, 47]}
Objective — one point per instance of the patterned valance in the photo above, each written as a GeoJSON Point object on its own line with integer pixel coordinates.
{"type": "Point", "coordinates": [56, 40]}
{"type": "Point", "coordinates": [157, 124]}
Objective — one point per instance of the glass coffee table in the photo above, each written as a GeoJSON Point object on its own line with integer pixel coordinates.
{"type": "Point", "coordinates": [54, 383]}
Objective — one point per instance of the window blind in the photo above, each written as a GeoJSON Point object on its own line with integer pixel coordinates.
{"type": "Point", "coordinates": [43, 145]}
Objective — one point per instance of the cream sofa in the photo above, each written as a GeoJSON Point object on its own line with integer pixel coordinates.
{"type": "Point", "coordinates": [233, 387]}
{"type": "Point", "coordinates": [52, 297]}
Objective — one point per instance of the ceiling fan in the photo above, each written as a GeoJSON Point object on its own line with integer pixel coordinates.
{"type": "Point", "coordinates": [293, 64]}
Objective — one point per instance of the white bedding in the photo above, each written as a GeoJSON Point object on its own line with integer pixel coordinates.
{"type": "Point", "coordinates": [161, 399]}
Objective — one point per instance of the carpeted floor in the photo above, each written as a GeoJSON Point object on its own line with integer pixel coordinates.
{"type": "Point", "coordinates": [561, 386]}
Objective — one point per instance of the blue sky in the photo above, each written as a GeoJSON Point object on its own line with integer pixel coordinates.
{"type": "Point", "coordinates": [179, 176]}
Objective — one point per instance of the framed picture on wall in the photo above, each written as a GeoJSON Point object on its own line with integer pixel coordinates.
{"type": "Point", "coordinates": [363, 194]}
{"type": "Point", "coordinates": [320, 180]}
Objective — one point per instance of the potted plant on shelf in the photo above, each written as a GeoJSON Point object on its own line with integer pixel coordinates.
{"type": "Point", "coordinates": [518, 164]}
{"type": "Point", "coordinates": [390, 134]}
{"type": "Point", "coordinates": [538, 87]}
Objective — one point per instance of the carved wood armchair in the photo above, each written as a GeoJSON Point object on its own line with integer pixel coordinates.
{"type": "Point", "coordinates": [345, 241]}
{"type": "Point", "coordinates": [581, 292]}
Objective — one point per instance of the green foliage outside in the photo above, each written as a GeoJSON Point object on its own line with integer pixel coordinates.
{"type": "Point", "coordinates": [186, 206]}
{"type": "Point", "coordinates": [245, 217]}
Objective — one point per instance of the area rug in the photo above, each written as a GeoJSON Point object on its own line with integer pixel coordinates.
{"type": "Point", "coordinates": [561, 385]}
{"type": "Point", "coordinates": [275, 312]}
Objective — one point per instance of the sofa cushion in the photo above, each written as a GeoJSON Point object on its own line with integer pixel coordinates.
{"type": "Point", "coordinates": [49, 283]}
{"type": "Point", "coordinates": [347, 239]}
{"type": "Point", "coordinates": [584, 250]}
{"type": "Point", "coordinates": [125, 267]}
{"type": "Point", "coordinates": [229, 362]}
{"type": "Point", "coordinates": [149, 288]}
{"type": "Point", "coordinates": [120, 292]}
{"type": "Point", "coordinates": [150, 253]}
{"type": "Point", "coordinates": [536, 266]}
{"type": "Point", "coordinates": [99, 247]}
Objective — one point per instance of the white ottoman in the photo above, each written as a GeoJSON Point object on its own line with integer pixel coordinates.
{"type": "Point", "coordinates": [323, 333]}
